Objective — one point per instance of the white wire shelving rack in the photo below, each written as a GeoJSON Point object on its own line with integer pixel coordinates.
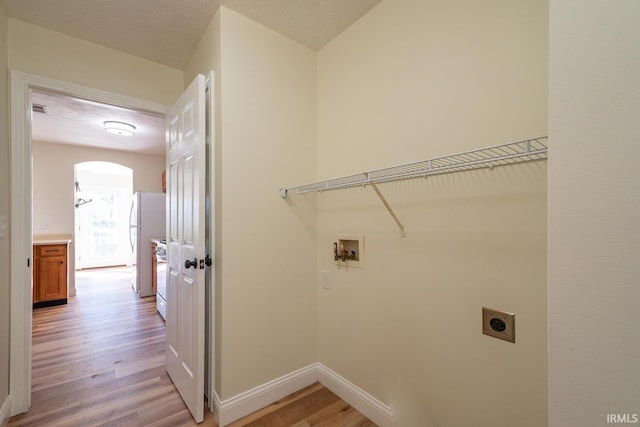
{"type": "Point", "coordinates": [498, 155]}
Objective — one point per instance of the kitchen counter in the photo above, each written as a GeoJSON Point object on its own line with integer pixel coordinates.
{"type": "Point", "coordinates": [52, 239]}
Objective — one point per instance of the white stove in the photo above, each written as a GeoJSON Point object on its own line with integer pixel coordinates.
{"type": "Point", "coordinates": [161, 290]}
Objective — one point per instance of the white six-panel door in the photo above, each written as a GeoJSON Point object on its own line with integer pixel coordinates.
{"type": "Point", "coordinates": [186, 245]}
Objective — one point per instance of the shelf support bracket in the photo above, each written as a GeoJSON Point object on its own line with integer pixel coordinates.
{"type": "Point", "coordinates": [391, 212]}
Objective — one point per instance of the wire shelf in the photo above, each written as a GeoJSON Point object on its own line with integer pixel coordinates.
{"type": "Point", "coordinates": [498, 155]}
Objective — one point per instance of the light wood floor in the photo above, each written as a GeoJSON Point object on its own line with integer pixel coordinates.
{"type": "Point", "coordinates": [99, 361]}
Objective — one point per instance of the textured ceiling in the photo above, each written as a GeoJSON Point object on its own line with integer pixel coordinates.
{"type": "Point", "coordinates": [76, 121]}
{"type": "Point", "coordinates": [167, 31]}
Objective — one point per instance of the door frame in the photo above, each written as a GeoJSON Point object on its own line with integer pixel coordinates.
{"type": "Point", "coordinates": [22, 212]}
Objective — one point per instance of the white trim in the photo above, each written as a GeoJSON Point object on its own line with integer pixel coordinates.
{"type": "Point", "coordinates": [4, 411]}
{"type": "Point", "coordinates": [21, 211]}
{"type": "Point", "coordinates": [243, 404]}
{"type": "Point", "coordinates": [210, 304]}
{"type": "Point", "coordinates": [40, 82]}
{"type": "Point", "coordinates": [250, 401]}
{"type": "Point", "coordinates": [217, 404]}
{"type": "Point", "coordinates": [21, 214]}
{"type": "Point", "coordinates": [366, 404]}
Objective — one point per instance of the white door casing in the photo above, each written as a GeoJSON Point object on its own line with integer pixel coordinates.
{"type": "Point", "coordinates": [186, 157]}
{"type": "Point", "coordinates": [21, 213]}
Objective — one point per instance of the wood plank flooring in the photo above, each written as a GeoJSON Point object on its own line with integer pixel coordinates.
{"type": "Point", "coordinates": [312, 406]}
{"type": "Point", "coordinates": [99, 361]}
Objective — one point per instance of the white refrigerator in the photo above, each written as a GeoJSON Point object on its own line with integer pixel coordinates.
{"type": "Point", "coordinates": [146, 222]}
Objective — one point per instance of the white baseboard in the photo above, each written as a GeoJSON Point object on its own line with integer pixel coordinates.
{"type": "Point", "coordinates": [366, 404]}
{"type": "Point", "coordinates": [217, 404]}
{"type": "Point", "coordinates": [250, 401]}
{"type": "Point", "coordinates": [243, 404]}
{"type": "Point", "coordinates": [5, 411]}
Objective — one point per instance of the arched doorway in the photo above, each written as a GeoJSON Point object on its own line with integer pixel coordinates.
{"type": "Point", "coordinates": [103, 192]}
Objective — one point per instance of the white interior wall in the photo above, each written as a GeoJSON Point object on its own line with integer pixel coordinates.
{"type": "Point", "coordinates": [265, 137]}
{"type": "Point", "coordinates": [594, 206]}
{"type": "Point", "coordinates": [53, 180]}
{"type": "Point", "coordinates": [268, 138]}
{"type": "Point", "coordinates": [43, 52]}
{"type": "Point", "coordinates": [408, 81]}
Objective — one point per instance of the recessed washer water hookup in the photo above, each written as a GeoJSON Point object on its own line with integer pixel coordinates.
{"type": "Point", "coordinates": [348, 250]}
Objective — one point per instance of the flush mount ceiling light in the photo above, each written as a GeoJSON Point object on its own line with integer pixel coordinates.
{"type": "Point", "coordinates": [119, 128]}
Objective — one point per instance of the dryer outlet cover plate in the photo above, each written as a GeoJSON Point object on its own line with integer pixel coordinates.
{"type": "Point", "coordinates": [499, 324]}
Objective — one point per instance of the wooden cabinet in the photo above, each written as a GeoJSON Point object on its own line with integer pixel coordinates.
{"type": "Point", "coordinates": [49, 275]}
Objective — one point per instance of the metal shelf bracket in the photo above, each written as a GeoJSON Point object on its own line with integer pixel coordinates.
{"type": "Point", "coordinates": [403, 233]}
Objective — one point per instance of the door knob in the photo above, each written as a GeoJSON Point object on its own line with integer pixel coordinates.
{"type": "Point", "coordinates": [189, 263]}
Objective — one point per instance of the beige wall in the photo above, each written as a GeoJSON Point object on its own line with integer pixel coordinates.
{"type": "Point", "coordinates": [594, 211]}
{"type": "Point", "coordinates": [266, 139]}
{"type": "Point", "coordinates": [409, 81]}
{"type": "Point", "coordinates": [206, 56]}
{"type": "Point", "coordinates": [4, 211]}
{"type": "Point", "coordinates": [53, 177]}
{"type": "Point", "coordinates": [35, 50]}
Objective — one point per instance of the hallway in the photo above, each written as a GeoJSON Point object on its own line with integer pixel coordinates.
{"type": "Point", "coordinates": [99, 360]}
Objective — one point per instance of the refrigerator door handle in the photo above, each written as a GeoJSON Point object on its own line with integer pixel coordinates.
{"type": "Point", "coordinates": [131, 226]}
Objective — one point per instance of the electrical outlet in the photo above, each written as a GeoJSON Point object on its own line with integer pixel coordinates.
{"type": "Point", "coordinates": [499, 324]}
{"type": "Point", "coordinates": [325, 280]}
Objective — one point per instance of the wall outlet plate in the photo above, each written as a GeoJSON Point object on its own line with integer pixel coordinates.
{"type": "Point", "coordinates": [325, 280]}
{"type": "Point", "coordinates": [3, 226]}
{"type": "Point", "coordinates": [499, 324]}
